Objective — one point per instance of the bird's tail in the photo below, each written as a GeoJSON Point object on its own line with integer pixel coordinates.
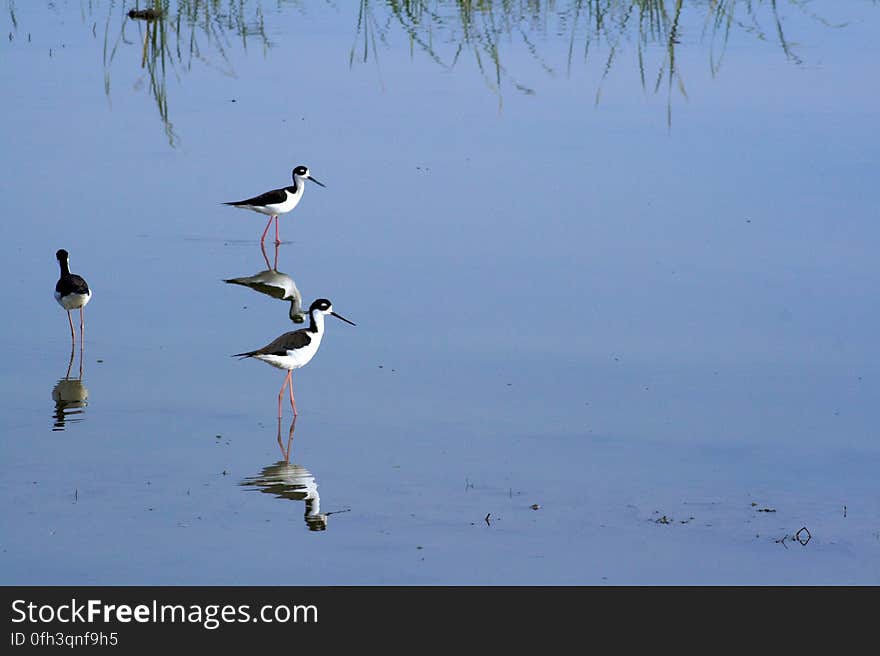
{"type": "Point", "coordinates": [249, 354]}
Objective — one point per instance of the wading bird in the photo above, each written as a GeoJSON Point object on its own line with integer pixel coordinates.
{"type": "Point", "coordinates": [295, 349]}
{"type": "Point", "coordinates": [72, 293]}
{"type": "Point", "coordinates": [278, 201]}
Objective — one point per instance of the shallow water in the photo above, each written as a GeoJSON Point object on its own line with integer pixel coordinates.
{"type": "Point", "coordinates": [606, 334]}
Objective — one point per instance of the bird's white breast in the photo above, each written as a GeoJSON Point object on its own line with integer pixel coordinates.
{"type": "Point", "coordinates": [73, 301]}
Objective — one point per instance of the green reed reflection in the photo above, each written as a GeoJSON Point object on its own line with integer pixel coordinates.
{"type": "Point", "coordinates": [173, 38]}
{"type": "Point", "coordinates": [447, 31]}
{"type": "Point", "coordinates": [605, 34]}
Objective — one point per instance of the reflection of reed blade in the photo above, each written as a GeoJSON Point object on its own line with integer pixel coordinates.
{"type": "Point", "coordinates": [174, 38]}
{"type": "Point", "coordinates": [450, 32]}
{"type": "Point", "coordinates": [277, 285]}
{"type": "Point", "coordinates": [71, 397]}
{"type": "Point", "coordinates": [294, 482]}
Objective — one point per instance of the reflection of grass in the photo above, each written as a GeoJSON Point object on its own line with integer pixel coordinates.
{"type": "Point", "coordinates": [445, 30]}
{"type": "Point", "coordinates": [192, 31]}
{"type": "Point", "coordinates": [452, 33]}
{"type": "Point", "coordinates": [471, 30]}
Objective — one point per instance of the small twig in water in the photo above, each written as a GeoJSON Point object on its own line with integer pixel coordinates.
{"type": "Point", "coordinates": [487, 519]}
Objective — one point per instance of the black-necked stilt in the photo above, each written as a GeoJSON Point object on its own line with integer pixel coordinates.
{"type": "Point", "coordinates": [291, 481]}
{"type": "Point", "coordinates": [294, 482]}
{"type": "Point", "coordinates": [278, 201]}
{"type": "Point", "coordinates": [295, 349]}
{"type": "Point", "coordinates": [70, 395]}
{"type": "Point", "coordinates": [71, 292]}
{"type": "Point", "coordinates": [277, 285]}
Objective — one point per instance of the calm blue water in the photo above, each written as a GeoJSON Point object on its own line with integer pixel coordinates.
{"type": "Point", "coordinates": [572, 292]}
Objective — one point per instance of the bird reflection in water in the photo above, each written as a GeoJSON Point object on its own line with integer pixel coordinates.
{"type": "Point", "coordinates": [276, 284]}
{"type": "Point", "coordinates": [70, 396]}
{"type": "Point", "coordinates": [286, 480]}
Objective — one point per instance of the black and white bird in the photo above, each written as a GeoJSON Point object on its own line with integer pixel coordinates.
{"type": "Point", "coordinates": [277, 285]}
{"type": "Point", "coordinates": [278, 201]}
{"type": "Point", "coordinates": [295, 349]}
{"type": "Point", "coordinates": [72, 292]}
{"type": "Point", "coordinates": [292, 481]}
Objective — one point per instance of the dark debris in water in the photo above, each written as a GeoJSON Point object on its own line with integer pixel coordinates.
{"type": "Point", "coordinates": [671, 520]}
{"type": "Point", "coordinates": [802, 537]}
{"type": "Point", "coordinates": [145, 14]}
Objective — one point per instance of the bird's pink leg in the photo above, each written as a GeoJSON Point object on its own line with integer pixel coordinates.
{"type": "Point", "coordinates": [290, 385]}
{"type": "Point", "coordinates": [72, 335]}
{"type": "Point", "coordinates": [82, 333]}
{"type": "Point", "coordinates": [277, 240]}
{"type": "Point", "coordinates": [280, 443]}
{"type": "Point", "coordinates": [281, 393]}
{"type": "Point", "coordinates": [285, 451]}
{"type": "Point", "coordinates": [276, 257]}
{"type": "Point", "coordinates": [70, 363]}
{"type": "Point", "coordinates": [263, 238]}
{"type": "Point", "coordinates": [266, 257]}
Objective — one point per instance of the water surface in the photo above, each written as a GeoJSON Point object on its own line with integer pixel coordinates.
{"type": "Point", "coordinates": [612, 266]}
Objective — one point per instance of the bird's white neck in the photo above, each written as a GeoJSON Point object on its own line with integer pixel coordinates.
{"type": "Point", "coordinates": [300, 184]}
{"type": "Point", "coordinates": [317, 324]}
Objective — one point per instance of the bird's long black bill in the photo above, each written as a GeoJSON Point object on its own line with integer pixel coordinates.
{"type": "Point", "coordinates": [343, 318]}
{"type": "Point", "coordinates": [316, 182]}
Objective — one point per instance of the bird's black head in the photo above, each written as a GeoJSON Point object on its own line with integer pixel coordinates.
{"type": "Point", "coordinates": [303, 172]}
{"type": "Point", "coordinates": [62, 255]}
{"type": "Point", "coordinates": [322, 305]}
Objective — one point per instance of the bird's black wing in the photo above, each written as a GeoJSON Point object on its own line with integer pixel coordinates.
{"type": "Point", "coordinates": [288, 341]}
{"type": "Point", "coordinates": [263, 288]}
{"type": "Point", "coordinates": [71, 284]}
{"type": "Point", "coordinates": [269, 198]}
